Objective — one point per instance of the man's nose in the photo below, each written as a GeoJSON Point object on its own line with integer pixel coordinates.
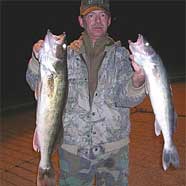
{"type": "Point", "coordinates": [98, 19]}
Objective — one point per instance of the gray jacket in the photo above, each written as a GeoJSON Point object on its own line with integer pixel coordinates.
{"type": "Point", "coordinates": [107, 119]}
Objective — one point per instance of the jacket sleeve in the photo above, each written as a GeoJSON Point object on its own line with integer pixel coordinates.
{"type": "Point", "coordinates": [126, 94]}
{"type": "Point", "coordinates": [32, 73]}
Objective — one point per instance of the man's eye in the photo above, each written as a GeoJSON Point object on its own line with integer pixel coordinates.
{"type": "Point", "coordinates": [90, 15]}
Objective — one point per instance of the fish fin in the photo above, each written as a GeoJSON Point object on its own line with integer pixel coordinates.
{"type": "Point", "coordinates": [59, 139]}
{"type": "Point", "coordinates": [146, 90]}
{"type": "Point", "coordinates": [157, 128]}
{"type": "Point", "coordinates": [147, 87]}
{"type": "Point", "coordinates": [170, 156]}
{"type": "Point", "coordinates": [46, 177]}
{"type": "Point", "coordinates": [36, 145]}
{"type": "Point", "coordinates": [37, 90]}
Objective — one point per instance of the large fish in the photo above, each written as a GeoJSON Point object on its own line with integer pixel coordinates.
{"type": "Point", "coordinates": [160, 95]}
{"type": "Point", "coordinates": [51, 96]}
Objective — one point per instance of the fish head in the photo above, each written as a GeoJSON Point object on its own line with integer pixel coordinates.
{"type": "Point", "coordinates": [54, 45]}
{"type": "Point", "coordinates": [141, 50]}
{"type": "Point", "coordinates": [53, 52]}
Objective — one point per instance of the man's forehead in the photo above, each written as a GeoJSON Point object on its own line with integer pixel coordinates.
{"type": "Point", "coordinates": [97, 11]}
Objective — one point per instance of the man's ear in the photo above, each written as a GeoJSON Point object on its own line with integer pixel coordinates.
{"type": "Point", "coordinates": [109, 21]}
{"type": "Point", "coordinates": [81, 21]}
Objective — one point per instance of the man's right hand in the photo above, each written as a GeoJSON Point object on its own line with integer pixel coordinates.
{"type": "Point", "coordinates": [36, 48]}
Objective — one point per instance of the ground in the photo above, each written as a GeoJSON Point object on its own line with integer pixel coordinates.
{"type": "Point", "coordinates": [18, 161]}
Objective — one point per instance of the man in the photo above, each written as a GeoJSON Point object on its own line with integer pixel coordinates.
{"type": "Point", "coordinates": [102, 89]}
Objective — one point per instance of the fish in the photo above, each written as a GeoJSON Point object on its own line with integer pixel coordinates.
{"type": "Point", "coordinates": [160, 93]}
{"type": "Point", "coordinates": [51, 93]}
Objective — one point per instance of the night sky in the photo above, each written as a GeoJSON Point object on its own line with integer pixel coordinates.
{"type": "Point", "coordinates": [24, 23]}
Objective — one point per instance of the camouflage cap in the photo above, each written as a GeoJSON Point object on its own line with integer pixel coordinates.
{"type": "Point", "coordinates": [88, 6]}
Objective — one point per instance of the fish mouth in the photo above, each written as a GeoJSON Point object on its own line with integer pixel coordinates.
{"type": "Point", "coordinates": [135, 46]}
{"type": "Point", "coordinates": [138, 42]}
{"type": "Point", "coordinates": [60, 39]}
{"type": "Point", "coordinates": [141, 46]}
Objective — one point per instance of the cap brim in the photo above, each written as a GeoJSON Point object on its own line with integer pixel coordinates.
{"type": "Point", "coordinates": [90, 9]}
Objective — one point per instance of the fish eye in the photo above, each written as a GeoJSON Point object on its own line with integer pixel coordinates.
{"type": "Point", "coordinates": [147, 44]}
{"type": "Point", "coordinates": [64, 46]}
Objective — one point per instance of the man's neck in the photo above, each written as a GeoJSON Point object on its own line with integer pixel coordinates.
{"type": "Point", "coordinates": [94, 39]}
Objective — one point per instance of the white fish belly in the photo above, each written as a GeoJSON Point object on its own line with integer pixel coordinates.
{"type": "Point", "coordinates": [160, 104]}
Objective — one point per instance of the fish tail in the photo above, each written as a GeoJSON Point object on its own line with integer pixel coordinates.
{"type": "Point", "coordinates": [46, 177]}
{"type": "Point", "coordinates": [170, 156]}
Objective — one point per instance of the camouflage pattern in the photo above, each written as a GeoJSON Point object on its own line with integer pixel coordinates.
{"type": "Point", "coordinates": [105, 120]}
{"type": "Point", "coordinates": [90, 5]}
{"type": "Point", "coordinates": [111, 169]}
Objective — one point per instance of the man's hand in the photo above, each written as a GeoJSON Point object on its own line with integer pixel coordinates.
{"type": "Point", "coordinates": [138, 78]}
{"type": "Point", "coordinates": [36, 48]}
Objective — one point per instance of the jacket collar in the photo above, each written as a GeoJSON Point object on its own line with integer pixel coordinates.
{"type": "Point", "coordinates": [79, 48]}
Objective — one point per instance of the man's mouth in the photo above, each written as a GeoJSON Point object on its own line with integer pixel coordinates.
{"type": "Point", "coordinates": [98, 27]}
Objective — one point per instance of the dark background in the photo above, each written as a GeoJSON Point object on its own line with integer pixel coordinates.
{"type": "Point", "coordinates": [24, 23]}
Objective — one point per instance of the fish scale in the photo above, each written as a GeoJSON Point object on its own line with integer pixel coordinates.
{"type": "Point", "coordinates": [160, 94]}
{"type": "Point", "coordinates": [51, 97]}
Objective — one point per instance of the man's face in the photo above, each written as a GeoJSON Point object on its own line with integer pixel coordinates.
{"type": "Point", "coordinates": [95, 23]}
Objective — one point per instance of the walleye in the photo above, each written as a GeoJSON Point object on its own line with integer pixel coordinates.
{"type": "Point", "coordinates": [51, 96]}
{"type": "Point", "coordinates": [160, 95]}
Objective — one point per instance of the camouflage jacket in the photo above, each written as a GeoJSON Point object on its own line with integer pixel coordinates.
{"type": "Point", "coordinates": [107, 119]}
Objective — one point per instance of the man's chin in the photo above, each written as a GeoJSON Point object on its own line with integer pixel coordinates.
{"type": "Point", "coordinates": [99, 34]}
